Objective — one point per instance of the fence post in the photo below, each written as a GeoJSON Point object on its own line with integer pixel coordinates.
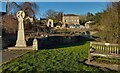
{"type": "Point", "coordinates": [35, 44]}
{"type": "Point", "coordinates": [117, 50]}
{"type": "Point", "coordinates": [89, 55]}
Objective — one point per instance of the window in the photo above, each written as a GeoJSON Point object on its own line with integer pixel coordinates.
{"type": "Point", "coordinates": [66, 17]}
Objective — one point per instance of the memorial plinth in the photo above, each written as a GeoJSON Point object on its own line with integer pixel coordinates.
{"type": "Point", "coordinates": [21, 43]}
{"type": "Point", "coordinates": [21, 36]}
{"type": "Point", "coordinates": [20, 48]}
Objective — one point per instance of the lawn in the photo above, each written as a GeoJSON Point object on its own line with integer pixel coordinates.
{"type": "Point", "coordinates": [58, 59]}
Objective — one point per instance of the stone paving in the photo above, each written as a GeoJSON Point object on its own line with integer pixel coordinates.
{"type": "Point", "coordinates": [8, 55]}
{"type": "Point", "coordinates": [104, 65]}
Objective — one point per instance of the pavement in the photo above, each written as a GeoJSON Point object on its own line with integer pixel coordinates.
{"type": "Point", "coordinates": [7, 55]}
{"type": "Point", "coordinates": [115, 67]}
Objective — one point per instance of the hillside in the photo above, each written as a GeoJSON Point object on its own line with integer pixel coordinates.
{"type": "Point", "coordinates": [57, 59]}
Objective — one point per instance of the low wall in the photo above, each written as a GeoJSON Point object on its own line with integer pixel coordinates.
{"type": "Point", "coordinates": [55, 41]}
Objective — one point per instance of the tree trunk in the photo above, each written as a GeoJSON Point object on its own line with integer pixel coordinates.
{"type": "Point", "coordinates": [7, 7]}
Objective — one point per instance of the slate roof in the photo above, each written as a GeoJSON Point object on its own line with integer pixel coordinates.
{"type": "Point", "coordinates": [71, 15]}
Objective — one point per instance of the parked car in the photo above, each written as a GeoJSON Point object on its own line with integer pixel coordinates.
{"type": "Point", "coordinates": [74, 26]}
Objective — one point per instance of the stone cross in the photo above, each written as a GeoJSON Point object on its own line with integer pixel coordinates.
{"type": "Point", "coordinates": [20, 36]}
{"type": "Point", "coordinates": [35, 44]}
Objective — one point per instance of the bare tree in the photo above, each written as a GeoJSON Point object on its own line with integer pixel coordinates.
{"type": "Point", "coordinates": [109, 23]}
{"type": "Point", "coordinates": [7, 6]}
{"type": "Point", "coordinates": [52, 14]}
{"type": "Point", "coordinates": [30, 8]}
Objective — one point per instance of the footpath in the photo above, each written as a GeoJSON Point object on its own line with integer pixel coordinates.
{"type": "Point", "coordinates": [8, 55]}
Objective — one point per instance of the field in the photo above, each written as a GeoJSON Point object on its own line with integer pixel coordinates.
{"type": "Point", "coordinates": [67, 58]}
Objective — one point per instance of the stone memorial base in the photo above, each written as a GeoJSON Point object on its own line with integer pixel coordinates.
{"type": "Point", "coordinates": [21, 43]}
{"type": "Point", "coordinates": [20, 48]}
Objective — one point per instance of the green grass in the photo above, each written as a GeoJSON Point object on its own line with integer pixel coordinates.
{"type": "Point", "coordinates": [57, 59]}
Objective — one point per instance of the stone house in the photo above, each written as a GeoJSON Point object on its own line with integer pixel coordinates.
{"type": "Point", "coordinates": [29, 21]}
{"type": "Point", "coordinates": [70, 19]}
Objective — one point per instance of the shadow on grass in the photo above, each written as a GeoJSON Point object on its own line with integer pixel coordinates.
{"type": "Point", "coordinates": [60, 41]}
{"type": "Point", "coordinates": [8, 40]}
{"type": "Point", "coordinates": [101, 68]}
{"type": "Point", "coordinates": [51, 42]}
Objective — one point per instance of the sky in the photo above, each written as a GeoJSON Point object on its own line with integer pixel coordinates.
{"type": "Point", "coordinates": [62, 0]}
{"type": "Point", "coordinates": [79, 8]}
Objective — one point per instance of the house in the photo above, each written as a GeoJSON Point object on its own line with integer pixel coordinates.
{"type": "Point", "coordinates": [69, 19]}
{"type": "Point", "coordinates": [29, 21]}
